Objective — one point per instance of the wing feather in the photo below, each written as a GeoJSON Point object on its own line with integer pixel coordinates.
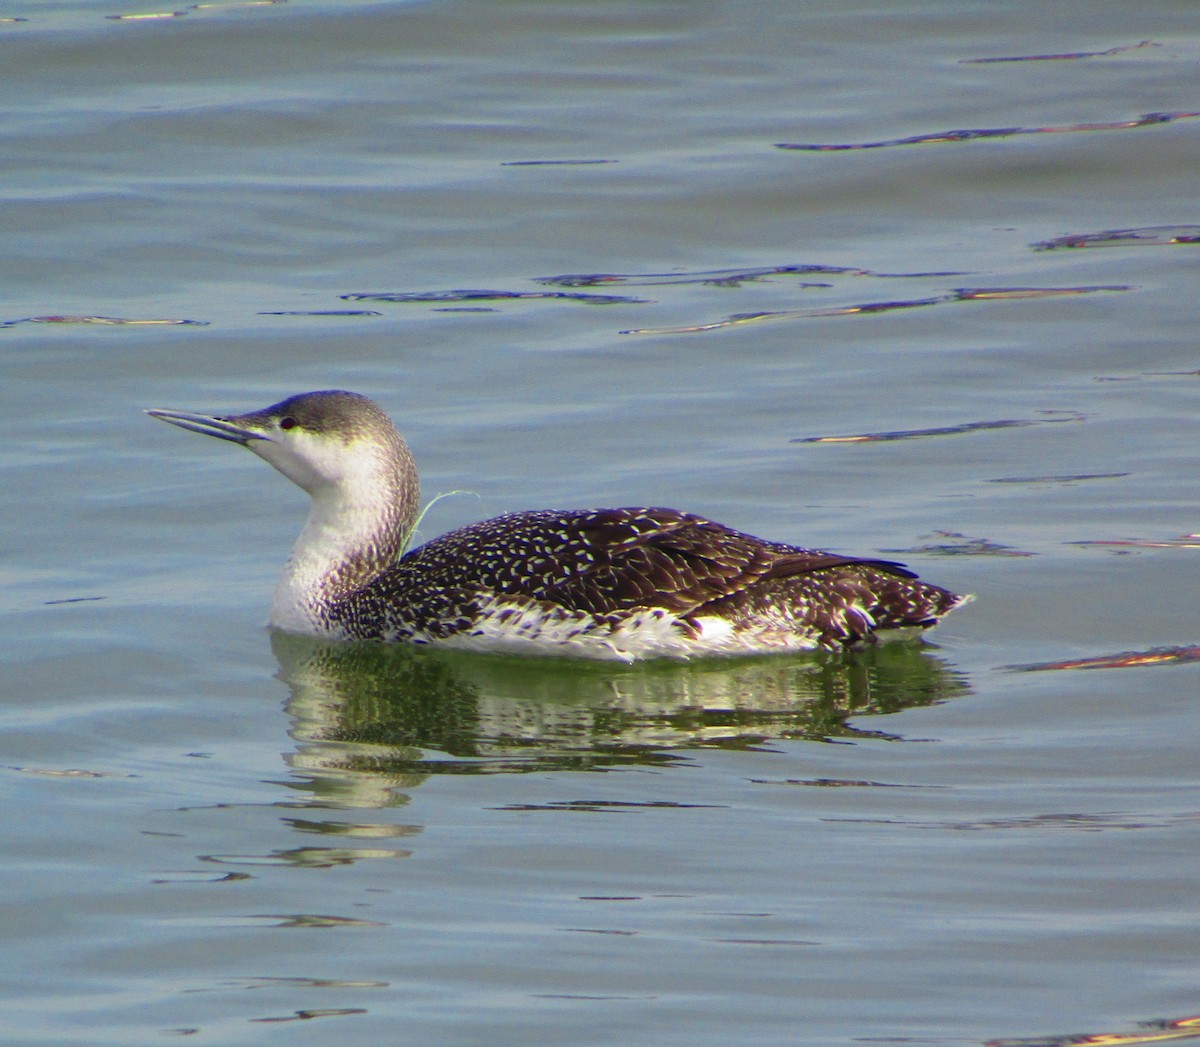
{"type": "Point", "coordinates": [608, 561]}
{"type": "Point", "coordinates": [665, 558]}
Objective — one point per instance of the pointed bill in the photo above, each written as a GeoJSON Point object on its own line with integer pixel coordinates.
{"type": "Point", "coordinates": [209, 425]}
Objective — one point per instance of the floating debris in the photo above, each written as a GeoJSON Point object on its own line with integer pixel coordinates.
{"type": "Point", "coordinates": [1124, 660]}
{"type": "Point", "coordinates": [954, 544]}
{"type": "Point", "coordinates": [722, 277]}
{"type": "Point", "coordinates": [322, 312]}
{"type": "Point", "coordinates": [554, 163]}
{"type": "Point", "coordinates": [944, 430]}
{"type": "Point", "coordinates": [1150, 236]}
{"type": "Point", "coordinates": [973, 134]}
{"type": "Point", "coordinates": [1067, 478]}
{"type": "Point", "coordinates": [73, 599]}
{"type": "Point", "coordinates": [962, 294]}
{"type": "Point", "coordinates": [1061, 57]}
{"type": "Point", "coordinates": [486, 296]}
{"type": "Point", "coordinates": [1186, 541]}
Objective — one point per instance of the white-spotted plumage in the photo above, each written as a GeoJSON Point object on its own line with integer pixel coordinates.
{"type": "Point", "coordinates": [604, 583]}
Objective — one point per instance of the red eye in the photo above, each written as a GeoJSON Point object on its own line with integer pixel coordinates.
{"type": "Point", "coordinates": [287, 423]}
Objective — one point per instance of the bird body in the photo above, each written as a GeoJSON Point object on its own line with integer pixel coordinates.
{"type": "Point", "coordinates": [622, 584]}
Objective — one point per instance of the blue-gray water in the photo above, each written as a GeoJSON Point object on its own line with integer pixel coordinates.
{"type": "Point", "coordinates": [214, 834]}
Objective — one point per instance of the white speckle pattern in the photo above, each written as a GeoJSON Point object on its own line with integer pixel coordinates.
{"type": "Point", "coordinates": [632, 583]}
{"type": "Point", "coordinates": [619, 584]}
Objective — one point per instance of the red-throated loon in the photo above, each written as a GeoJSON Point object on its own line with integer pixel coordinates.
{"type": "Point", "coordinates": [597, 583]}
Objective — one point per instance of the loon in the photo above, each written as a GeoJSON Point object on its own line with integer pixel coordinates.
{"type": "Point", "coordinates": [619, 584]}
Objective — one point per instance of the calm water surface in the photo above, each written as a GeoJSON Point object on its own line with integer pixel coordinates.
{"type": "Point", "coordinates": [217, 834]}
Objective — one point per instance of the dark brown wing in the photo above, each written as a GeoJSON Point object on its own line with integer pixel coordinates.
{"type": "Point", "coordinates": [606, 561]}
{"type": "Point", "coordinates": [665, 558]}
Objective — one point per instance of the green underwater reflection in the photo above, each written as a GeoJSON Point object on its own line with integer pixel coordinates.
{"type": "Point", "coordinates": [379, 716]}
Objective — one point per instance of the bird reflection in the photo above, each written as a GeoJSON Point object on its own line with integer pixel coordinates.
{"type": "Point", "coordinates": [371, 718]}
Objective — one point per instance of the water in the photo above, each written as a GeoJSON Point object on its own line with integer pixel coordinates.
{"type": "Point", "coordinates": [218, 834]}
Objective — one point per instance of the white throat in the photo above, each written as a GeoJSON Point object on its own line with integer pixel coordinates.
{"type": "Point", "coordinates": [355, 530]}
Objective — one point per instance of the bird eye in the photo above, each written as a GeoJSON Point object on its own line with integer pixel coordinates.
{"type": "Point", "coordinates": [287, 423]}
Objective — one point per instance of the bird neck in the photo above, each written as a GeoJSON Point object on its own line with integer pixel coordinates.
{"type": "Point", "coordinates": [355, 531]}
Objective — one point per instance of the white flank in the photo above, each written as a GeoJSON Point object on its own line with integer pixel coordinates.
{"type": "Point", "coordinates": [524, 627]}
